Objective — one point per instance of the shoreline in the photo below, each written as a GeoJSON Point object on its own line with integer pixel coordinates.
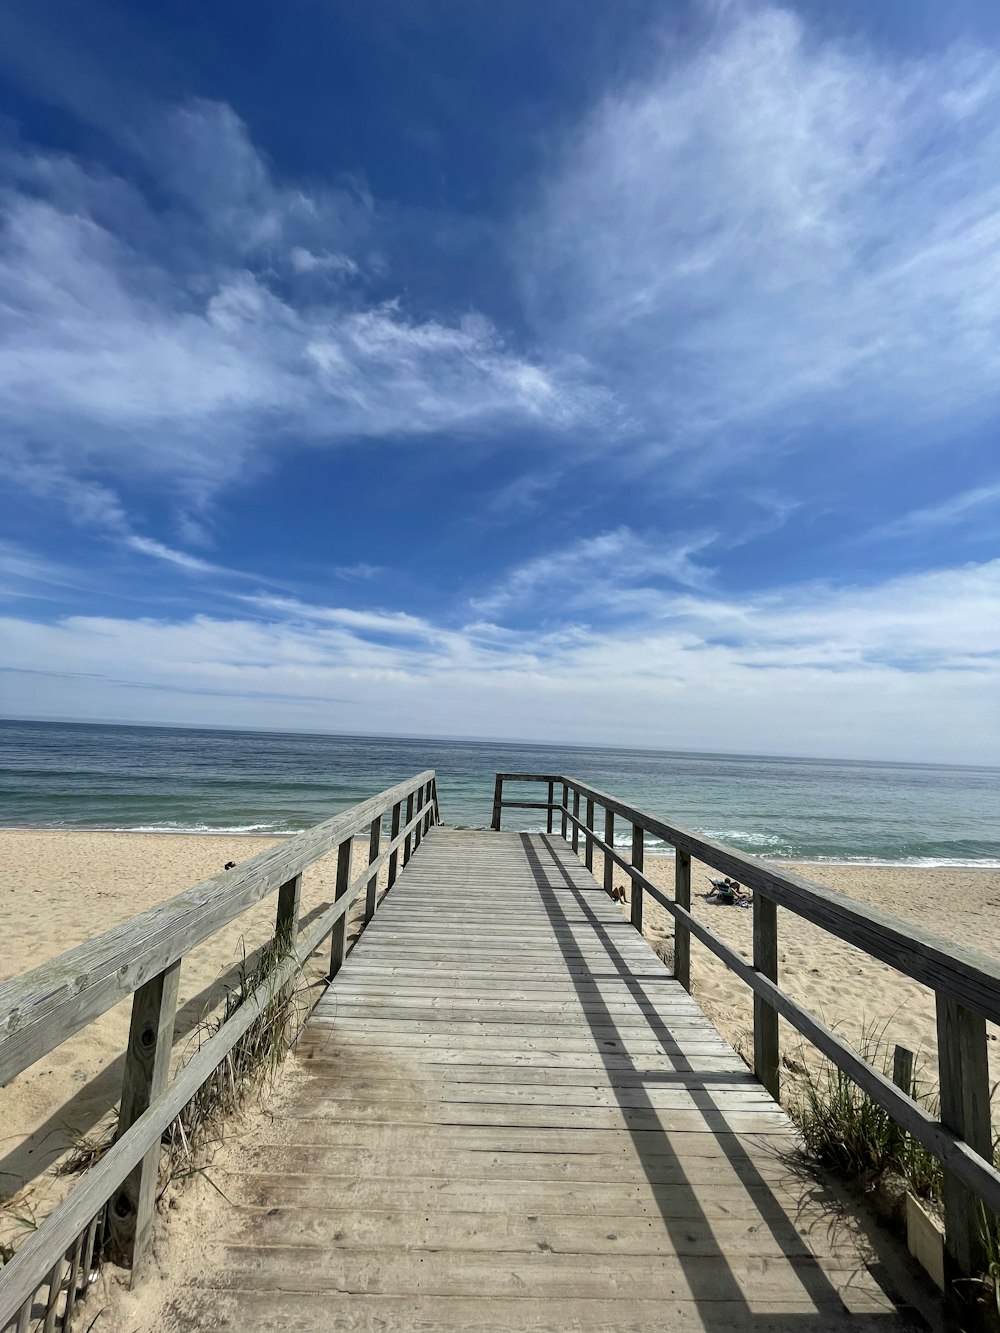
{"type": "Point", "coordinates": [860, 862]}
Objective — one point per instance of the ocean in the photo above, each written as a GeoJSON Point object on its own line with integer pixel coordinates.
{"type": "Point", "coordinates": [173, 780]}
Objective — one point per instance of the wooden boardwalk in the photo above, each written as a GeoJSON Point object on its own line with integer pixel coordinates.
{"type": "Point", "coordinates": [512, 1117]}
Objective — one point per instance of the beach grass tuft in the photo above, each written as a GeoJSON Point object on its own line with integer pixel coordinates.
{"type": "Point", "coordinates": [17, 1220]}
{"type": "Point", "coordinates": [248, 1069]}
{"type": "Point", "coordinates": [846, 1130]}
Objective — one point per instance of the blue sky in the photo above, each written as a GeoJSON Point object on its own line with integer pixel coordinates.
{"type": "Point", "coordinates": [581, 372]}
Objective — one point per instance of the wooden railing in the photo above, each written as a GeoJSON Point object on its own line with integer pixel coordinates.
{"type": "Point", "coordinates": [965, 982]}
{"type": "Point", "coordinates": [113, 1203]}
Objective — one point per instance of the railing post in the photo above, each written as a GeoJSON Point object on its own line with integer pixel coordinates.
{"type": "Point", "coordinates": [286, 926]}
{"type": "Point", "coordinates": [286, 919]}
{"type": "Point", "coordinates": [766, 1060]}
{"type": "Point", "coordinates": [393, 835]}
{"type": "Point", "coordinates": [374, 841]}
{"type": "Point", "coordinates": [609, 838]}
{"type": "Point", "coordinates": [429, 806]}
{"type": "Point", "coordinates": [638, 853]}
{"type": "Point", "coordinates": [588, 841]}
{"type": "Point", "coordinates": [338, 938]}
{"type": "Point", "coordinates": [964, 1078]}
{"type": "Point", "coordinates": [147, 1064]}
{"type": "Point", "coordinates": [576, 813]}
{"type": "Point", "coordinates": [408, 840]}
{"type": "Point", "coordinates": [437, 807]}
{"type": "Point", "coordinates": [682, 936]}
{"type": "Point", "coordinates": [497, 802]}
{"type": "Point", "coordinates": [549, 812]}
{"type": "Point", "coordinates": [565, 806]}
{"type": "Point", "coordinates": [418, 830]}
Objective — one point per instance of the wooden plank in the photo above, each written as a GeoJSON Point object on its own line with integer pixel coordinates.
{"type": "Point", "coordinates": [147, 1065]}
{"type": "Point", "coordinates": [766, 1058]}
{"type": "Point", "coordinates": [576, 824]}
{"type": "Point", "coordinates": [549, 812]}
{"type": "Point", "coordinates": [527, 1156]}
{"type": "Point", "coordinates": [267, 1312]}
{"type": "Point", "coordinates": [630, 1231]}
{"type": "Point", "coordinates": [588, 837]}
{"type": "Point", "coordinates": [429, 1272]}
{"type": "Point", "coordinates": [451, 1193]}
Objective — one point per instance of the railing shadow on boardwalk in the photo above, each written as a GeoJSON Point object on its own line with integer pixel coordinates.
{"type": "Point", "coordinates": [653, 1148]}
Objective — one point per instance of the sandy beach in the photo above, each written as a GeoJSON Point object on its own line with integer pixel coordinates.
{"type": "Point", "coordinates": [64, 887]}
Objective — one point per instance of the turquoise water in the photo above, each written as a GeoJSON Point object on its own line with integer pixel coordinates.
{"type": "Point", "coordinates": [160, 779]}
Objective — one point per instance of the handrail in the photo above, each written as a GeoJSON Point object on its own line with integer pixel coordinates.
{"type": "Point", "coordinates": [120, 1189]}
{"type": "Point", "coordinates": [966, 983]}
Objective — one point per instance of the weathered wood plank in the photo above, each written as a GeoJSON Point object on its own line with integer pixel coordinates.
{"type": "Point", "coordinates": [267, 1312]}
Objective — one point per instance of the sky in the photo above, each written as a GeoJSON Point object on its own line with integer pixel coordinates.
{"type": "Point", "coordinates": [579, 372]}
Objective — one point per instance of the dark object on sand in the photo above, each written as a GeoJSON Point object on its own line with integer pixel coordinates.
{"type": "Point", "coordinates": [230, 865]}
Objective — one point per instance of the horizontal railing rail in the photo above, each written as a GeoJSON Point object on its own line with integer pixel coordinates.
{"type": "Point", "coordinates": [966, 983]}
{"type": "Point", "coordinates": [114, 1201]}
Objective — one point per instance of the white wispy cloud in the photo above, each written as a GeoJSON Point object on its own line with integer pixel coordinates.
{"type": "Point", "coordinates": [361, 571]}
{"type": "Point", "coordinates": [592, 572]}
{"type": "Point", "coordinates": [191, 564]}
{"type": "Point", "coordinates": [774, 227]}
{"type": "Point", "coordinates": [947, 513]}
{"type": "Point", "coordinates": [181, 343]}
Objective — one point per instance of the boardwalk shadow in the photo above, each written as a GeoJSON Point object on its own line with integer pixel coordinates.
{"type": "Point", "coordinates": [725, 1299]}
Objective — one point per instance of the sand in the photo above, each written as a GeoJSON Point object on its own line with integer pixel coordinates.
{"type": "Point", "coordinates": [61, 888]}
